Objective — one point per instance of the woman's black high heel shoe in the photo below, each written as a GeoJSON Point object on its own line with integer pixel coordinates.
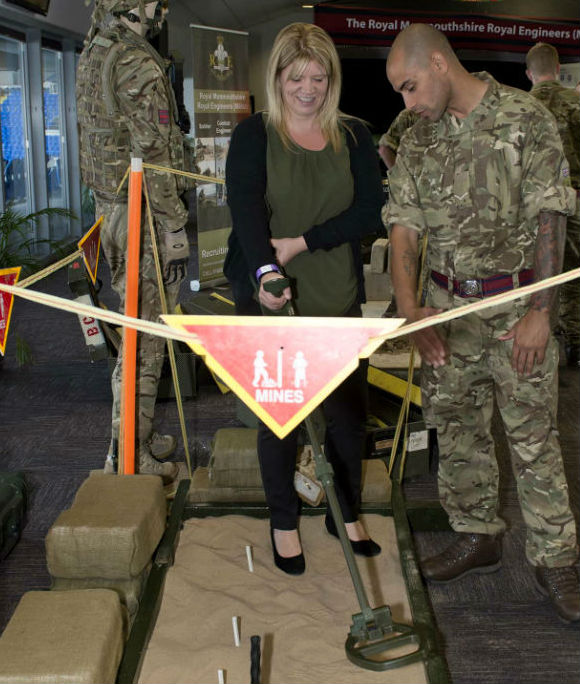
{"type": "Point", "coordinates": [294, 565]}
{"type": "Point", "coordinates": [364, 547]}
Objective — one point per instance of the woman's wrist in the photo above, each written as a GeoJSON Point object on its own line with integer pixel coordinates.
{"type": "Point", "coordinates": [267, 268]}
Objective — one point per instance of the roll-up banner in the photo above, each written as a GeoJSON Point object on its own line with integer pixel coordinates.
{"type": "Point", "coordinates": [221, 98]}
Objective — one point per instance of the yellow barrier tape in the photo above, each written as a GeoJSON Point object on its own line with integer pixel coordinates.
{"type": "Point", "coordinates": [149, 327]}
{"type": "Point", "coordinates": [164, 331]}
{"type": "Point", "coordinates": [403, 420]}
{"type": "Point", "coordinates": [39, 275]}
{"type": "Point", "coordinates": [188, 174]}
{"type": "Point", "coordinates": [487, 303]}
{"type": "Point", "coordinates": [123, 180]}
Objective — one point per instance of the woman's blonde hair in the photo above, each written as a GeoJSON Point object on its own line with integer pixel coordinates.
{"type": "Point", "coordinates": [298, 44]}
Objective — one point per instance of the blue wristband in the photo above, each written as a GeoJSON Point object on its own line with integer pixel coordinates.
{"type": "Point", "coordinates": [268, 268]}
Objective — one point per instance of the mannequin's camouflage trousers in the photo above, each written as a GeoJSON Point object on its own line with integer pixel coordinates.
{"type": "Point", "coordinates": [150, 348]}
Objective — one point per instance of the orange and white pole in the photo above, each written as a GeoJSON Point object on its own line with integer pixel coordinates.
{"type": "Point", "coordinates": [131, 309]}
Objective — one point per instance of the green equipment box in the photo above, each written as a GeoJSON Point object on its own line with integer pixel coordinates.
{"type": "Point", "coordinates": [12, 510]}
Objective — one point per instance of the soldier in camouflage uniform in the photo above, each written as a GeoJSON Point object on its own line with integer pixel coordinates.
{"type": "Point", "coordinates": [126, 108]}
{"type": "Point", "coordinates": [389, 141]}
{"type": "Point", "coordinates": [543, 69]}
{"type": "Point", "coordinates": [483, 173]}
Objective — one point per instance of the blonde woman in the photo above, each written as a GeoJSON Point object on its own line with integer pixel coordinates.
{"type": "Point", "coordinates": [304, 187]}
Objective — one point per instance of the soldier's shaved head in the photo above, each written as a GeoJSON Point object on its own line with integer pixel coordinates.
{"type": "Point", "coordinates": [424, 69]}
{"type": "Point", "coordinates": [417, 43]}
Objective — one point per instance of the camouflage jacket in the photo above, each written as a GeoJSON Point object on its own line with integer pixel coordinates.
{"type": "Point", "coordinates": [478, 184]}
{"type": "Point", "coordinates": [564, 103]}
{"type": "Point", "coordinates": [404, 119]}
{"type": "Point", "coordinates": [126, 108]}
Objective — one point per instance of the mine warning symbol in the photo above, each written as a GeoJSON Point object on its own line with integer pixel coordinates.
{"type": "Point", "coordinates": [282, 368]}
{"type": "Point", "coordinates": [262, 379]}
{"type": "Point", "coordinates": [8, 276]}
{"type": "Point", "coordinates": [90, 243]}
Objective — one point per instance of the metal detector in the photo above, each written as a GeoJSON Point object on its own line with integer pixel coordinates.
{"type": "Point", "coordinates": [373, 631]}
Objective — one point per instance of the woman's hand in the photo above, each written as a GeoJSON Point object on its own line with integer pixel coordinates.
{"type": "Point", "coordinates": [267, 299]}
{"type": "Point", "coordinates": [287, 248]}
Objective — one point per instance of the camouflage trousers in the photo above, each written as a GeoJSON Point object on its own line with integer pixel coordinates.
{"type": "Point", "coordinates": [459, 401]}
{"type": "Point", "coordinates": [150, 348]}
{"type": "Point", "coordinates": [569, 304]}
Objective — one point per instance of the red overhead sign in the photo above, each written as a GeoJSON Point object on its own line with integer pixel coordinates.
{"type": "Point", "coordinates": [282, 368]}
{"type": "Point", "coordinates": [359, 26]}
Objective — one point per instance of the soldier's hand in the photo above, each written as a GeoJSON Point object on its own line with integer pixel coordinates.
{"type": "Point", "coordinates": [176, 256]}
{"type": "Point", "coordinates": [530, 335]}
{"type": "Point", "coordinates": [429, 343]}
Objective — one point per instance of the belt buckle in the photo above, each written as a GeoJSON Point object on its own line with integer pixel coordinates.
{"type": "Point", "coordinates": [470, 288]}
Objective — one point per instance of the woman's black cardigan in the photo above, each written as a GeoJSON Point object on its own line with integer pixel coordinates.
{"type": "Point", "coordinates": [249, 242]}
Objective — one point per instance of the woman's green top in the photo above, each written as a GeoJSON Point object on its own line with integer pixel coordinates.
{"type": "Point", "coordinates": [305, 188]}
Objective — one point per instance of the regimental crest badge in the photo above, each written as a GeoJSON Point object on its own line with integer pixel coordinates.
{"type": "Point", "coordinates": [220, 62]}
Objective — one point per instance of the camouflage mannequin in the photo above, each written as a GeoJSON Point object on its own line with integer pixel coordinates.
{"type": "Point", "coordinates": [484, 173]}
{"type": "Point", "coordinates": [125, 108]}
{"type": "Point", "coordinates": [543, 69]}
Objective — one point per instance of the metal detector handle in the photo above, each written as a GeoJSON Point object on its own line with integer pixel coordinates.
{"type": "Point", "coordinates": [276, 286]}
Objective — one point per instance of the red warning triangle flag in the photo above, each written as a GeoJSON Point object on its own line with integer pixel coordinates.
{"type": "Point", "coordinates": [8, 276]}
{"type": "Point", "coordinates": [282, 368]}
{"type": "Point", "coordinates": [90, 243]}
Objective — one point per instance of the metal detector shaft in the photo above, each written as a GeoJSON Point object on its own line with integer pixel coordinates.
{"type": "Point", "coordinates": [325, 474]}
{"type": "Point", "coordinates": [373, 631]}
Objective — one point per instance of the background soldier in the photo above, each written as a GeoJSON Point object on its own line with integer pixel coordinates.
{"type": "Point", "coordinates": [126, 108]}
{"type": "Point", "coordinates": [484, 173]}
{"type": "Point", "coordinates": [543, 69]}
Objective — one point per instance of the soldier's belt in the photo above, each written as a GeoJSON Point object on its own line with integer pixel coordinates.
{"type": "Point", "coordinates": [484, 287]}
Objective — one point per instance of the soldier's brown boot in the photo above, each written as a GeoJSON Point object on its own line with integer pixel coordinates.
{"type": "Point", "coordinates": [168, 471]}
{"type": "Point", "coordinates": [470, 553]}
{"type": "Point", "coordinates": [561, 585]}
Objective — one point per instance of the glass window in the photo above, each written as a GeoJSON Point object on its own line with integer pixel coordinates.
{"type": "Point", "coordinates": [13, 107]}
{"type": "Point", "coordinates": [54, 133]}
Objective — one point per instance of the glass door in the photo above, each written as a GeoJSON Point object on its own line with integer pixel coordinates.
{"type": "Point", "coordinates": [54, 133]}
{"type": "Point", "coordinates": [14, 139]}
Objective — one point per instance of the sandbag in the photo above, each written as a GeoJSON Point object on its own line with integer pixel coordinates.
{"type": "Point", "coordinates": [111, 530]}
{"type": "Point", "coordinates": [63, 636]}
{"type": "Point", "coordinates": [234, 459]}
